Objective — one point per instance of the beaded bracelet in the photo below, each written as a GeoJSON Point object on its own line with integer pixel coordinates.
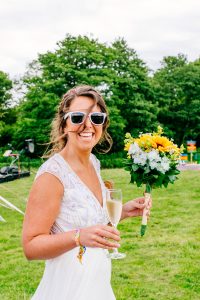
{"type": "Point", "coordinates": [82, 248]}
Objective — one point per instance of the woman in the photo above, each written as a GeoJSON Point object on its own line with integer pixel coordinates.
{"type": "Point", "coordinates": [66, 207]}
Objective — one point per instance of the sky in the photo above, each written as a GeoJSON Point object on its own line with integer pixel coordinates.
{"type": "Point", "coordinates": [154, 28]}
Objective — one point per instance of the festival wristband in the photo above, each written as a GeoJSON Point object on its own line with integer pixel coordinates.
{"type": "Point", "coordinates": [77, 237]}
{"type": "Point", "coordinates": [82, 248]}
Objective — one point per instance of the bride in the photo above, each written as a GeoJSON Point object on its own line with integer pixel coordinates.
{"type": "Point", "coordinates": [66, 222]}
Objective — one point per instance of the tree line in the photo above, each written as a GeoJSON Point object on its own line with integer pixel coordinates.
{"type": "Point", "coordinates": [137, 100]}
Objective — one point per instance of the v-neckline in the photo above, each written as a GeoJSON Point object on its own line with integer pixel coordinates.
{"type": "Point", "coordinates": [83, 183]}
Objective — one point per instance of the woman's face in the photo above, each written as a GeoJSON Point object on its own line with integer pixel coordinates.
{"type": "Point", "coordinates": [85, 136]}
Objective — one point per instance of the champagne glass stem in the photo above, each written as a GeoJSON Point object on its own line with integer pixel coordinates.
{"type": "Point", "coordinates": [115, 250]}
{"type": "Point", "coordinates": [115, 253]}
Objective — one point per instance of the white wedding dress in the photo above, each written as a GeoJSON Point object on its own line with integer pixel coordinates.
{"type": "Point", "coordinates": [65, 278]}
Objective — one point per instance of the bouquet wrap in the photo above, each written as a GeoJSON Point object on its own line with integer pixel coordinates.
{"type": "Point", "coordinates": [147, 197]}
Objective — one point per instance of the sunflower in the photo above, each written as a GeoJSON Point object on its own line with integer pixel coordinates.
{"type": "Point", "coordinates": [163, 144]}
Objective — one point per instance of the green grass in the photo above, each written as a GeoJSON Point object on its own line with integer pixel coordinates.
{"type": "Point", "coordinates": [163, 265]}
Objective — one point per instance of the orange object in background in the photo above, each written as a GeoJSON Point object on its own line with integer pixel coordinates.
{"type": "Point", "coordinates": [191, 146]}
{"type": "Point", "coordinates": [184, 157]}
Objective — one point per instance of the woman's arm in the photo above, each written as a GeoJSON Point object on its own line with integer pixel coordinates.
{"type": "Point", "coordinates": [42, 209]}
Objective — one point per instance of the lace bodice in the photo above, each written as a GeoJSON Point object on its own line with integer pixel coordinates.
{"type": "Point", "coordinates": [79, 206]}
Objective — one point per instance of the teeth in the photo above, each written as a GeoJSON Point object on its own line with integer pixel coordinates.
{"type": "Point", "coordinates": [86, 134]}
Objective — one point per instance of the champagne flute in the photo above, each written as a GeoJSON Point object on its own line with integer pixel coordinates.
{"type": "Point", "coordinates": [114, 209]}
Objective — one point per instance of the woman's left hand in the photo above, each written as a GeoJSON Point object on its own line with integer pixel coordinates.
{"type": "Point", "coordinates": [134, 208]}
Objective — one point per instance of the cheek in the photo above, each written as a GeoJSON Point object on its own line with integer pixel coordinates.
{"type": "Point", "coordinates": [68, 127]}
{"type": "Point", "coordinates": [99, 132]}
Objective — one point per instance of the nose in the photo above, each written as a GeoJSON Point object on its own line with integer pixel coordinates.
{"type": "Point", "coordinates": [88, 122]}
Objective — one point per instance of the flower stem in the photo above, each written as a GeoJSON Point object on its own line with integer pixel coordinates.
{"type": "Point", "coordinates": [148, 188]}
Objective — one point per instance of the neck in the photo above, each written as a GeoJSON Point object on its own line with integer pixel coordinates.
{"type": "Point", "coordinates": [75, 156]}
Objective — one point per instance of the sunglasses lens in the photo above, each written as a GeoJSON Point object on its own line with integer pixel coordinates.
{"type": "Point", "coordinates": [77, 118]}
{"type": "Point", "coordinates": [97, 118]}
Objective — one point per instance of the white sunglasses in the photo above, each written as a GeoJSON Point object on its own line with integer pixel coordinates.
{"type": "Point", "coordinates": [78, 117]}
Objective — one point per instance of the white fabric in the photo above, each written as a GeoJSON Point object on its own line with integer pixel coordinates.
{"type": "Point", "coordinates": [64, 277]}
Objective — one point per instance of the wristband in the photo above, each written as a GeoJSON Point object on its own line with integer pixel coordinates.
{"type": "Point", "coordinates": [77, 237]}
{"type": "Point", "coordinates": [82, 248]}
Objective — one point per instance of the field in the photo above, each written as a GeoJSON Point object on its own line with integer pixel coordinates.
{"type": "Point", "coordinates": [163, 265]}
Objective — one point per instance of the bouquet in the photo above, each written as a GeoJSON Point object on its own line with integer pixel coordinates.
{"type": "Point", "coordinates": [152, 159]}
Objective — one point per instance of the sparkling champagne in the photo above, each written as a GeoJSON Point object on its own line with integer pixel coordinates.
{"type": "Point", "coordinates": [114, 208]}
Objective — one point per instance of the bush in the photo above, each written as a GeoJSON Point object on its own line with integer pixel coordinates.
{"type": "Point", "coordinates": [112, 160]}
{"type": "Point", "coordinates": [108, 161]}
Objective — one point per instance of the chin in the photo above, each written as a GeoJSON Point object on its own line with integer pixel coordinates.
{"type": "Point", "coordinates": [87, 147]}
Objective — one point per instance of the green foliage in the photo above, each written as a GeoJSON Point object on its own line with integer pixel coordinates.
{"type": "Point", "coordinates": [5, 87]}
{"type": "Point", "coordinates": [132, 90]}
{"type": "Point", "coordinates": [7, 114]}
{"type": "Point", "coordinates": [154, 178]}
{"type": "Point", "coordinates": [111, 160]}
{"type": "Point", "coordinates": [34, 120]}
{"type": "Point", "coordinates": [177, 88]}
{"type": "Point", "coordinates": [7, 124]}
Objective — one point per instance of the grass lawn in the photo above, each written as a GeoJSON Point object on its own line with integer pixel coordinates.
{"type": "Point", "coordinates": [163, 265]}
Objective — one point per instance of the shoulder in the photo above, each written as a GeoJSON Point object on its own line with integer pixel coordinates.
{"type": "Point", "coordinates": [51, 164]}
{"type": "Point", "coordinates": [54, 166]}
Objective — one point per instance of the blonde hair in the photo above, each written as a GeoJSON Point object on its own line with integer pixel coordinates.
{"type": "Point", "coordinates": [58, 138]}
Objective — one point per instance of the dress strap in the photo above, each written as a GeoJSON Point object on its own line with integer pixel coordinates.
{"type": "Point", "coordinates": [55, 167]}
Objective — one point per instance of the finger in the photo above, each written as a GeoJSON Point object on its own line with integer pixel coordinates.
{"type": "Point", "coordinates": [98, 245]}
{"type": "Point", "coordinates": [110, 235]}
{"type": "Point", "coordinates": [110, 229]}
{"type": "Point", "coordinates": [140, 200]}
{"type": "Point", "coordinates": [107, 243]}
{"type": "Point", "coordinates": [149, 204]}
{"type": "Point", "coordinates": [137, 212]}
{"type": "Point", "coordinates": [139, 205]}
{"type": "Point", "coordinates": [109, 232]}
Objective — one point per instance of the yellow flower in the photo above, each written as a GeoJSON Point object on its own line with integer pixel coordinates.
{"type": "Point", "coordinates": [127, 146]}
{"type": "Point", "coordinates": [128, 141]}
{"type": "Point", "coordinates": [149, 141]}
{"type": "Point", "coordinates": [163, 144]}
{"type": "Point", "coordinates": [145, 142]}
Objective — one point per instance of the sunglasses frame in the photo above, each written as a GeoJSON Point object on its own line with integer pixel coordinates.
{"type": "Point", "coordinates": [69, 114]}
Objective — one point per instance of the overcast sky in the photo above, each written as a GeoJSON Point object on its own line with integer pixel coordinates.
{"type": "Point", "coordinates": [154, 28]}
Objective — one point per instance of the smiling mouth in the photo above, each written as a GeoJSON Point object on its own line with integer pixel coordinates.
{"type": "Point", "coordinates": [86, 135]}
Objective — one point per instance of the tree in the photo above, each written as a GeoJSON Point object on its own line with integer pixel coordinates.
{"type": "Point", "coordinates": [114, 69]}
{"type": "Point", "coordinates": [177, 86]}
{"type": "Point", "coordinates": [7, 113]}
{"type": "Point", "coordinates": [132, 90]}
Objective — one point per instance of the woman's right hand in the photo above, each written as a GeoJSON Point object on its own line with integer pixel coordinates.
{"type": "Point", "coordinates": [100, 236]}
